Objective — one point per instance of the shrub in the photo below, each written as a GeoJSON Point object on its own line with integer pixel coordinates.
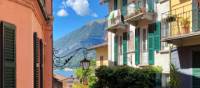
{"type": "Point", "coordinates": [127, 77]}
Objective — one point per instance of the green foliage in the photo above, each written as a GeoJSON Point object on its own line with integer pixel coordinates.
{"type": "Point", "coordinates": [126, 77]}
{"type": "Point", "coordinates": [89, 73]}
{"type": "Point", "coordinates": [174, 81]}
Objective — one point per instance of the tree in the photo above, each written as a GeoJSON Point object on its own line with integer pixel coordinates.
{"type": "Point", "coordinates": [89, 74]}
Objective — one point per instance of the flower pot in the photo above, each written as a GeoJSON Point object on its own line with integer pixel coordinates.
{"type": "Point", "coordinates": [185, 29]}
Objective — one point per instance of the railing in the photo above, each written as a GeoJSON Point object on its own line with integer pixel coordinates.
{"type": "Point", "coordinates": [139, 7]}
{"type": "Point", "coordinates": [181, 21]}
{"type": "Point", "coordinates": [115, 18]}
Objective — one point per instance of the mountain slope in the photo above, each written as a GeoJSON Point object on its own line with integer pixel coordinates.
{"type": "Point", "coordinates": [90, 34]}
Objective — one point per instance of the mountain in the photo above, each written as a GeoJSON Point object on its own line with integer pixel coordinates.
{"type": "Point", "coordinates": [88, 35]}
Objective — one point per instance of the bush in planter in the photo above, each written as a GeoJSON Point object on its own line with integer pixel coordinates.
{"type": "Point", "coordinates": [126, 77]}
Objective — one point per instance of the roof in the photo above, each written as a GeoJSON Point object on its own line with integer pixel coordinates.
{"type": "Point", "coordinates": [99, 45]}
{"type": "Point", "coordinates": [59, 77]}
{"type": "Point", "coordinates": [64, 73]}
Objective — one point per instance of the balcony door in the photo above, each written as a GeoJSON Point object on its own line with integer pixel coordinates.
{"type": "Point", "coordinates": [143, 46]}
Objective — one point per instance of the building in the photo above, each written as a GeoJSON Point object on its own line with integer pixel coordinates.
{"type": "Point", "coordinates": [101, 54]}
{"type": "Point", "coordinates": [134, 34]}
{"type": "Point", "coordinates": [63, 79]}
{"type": "Point", "coordinates": [26, 44]}
{"type": "Point", "coordinates": [183, 34]}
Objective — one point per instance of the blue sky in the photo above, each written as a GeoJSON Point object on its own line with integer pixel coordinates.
{"type": "Point", "coordinates": [72, 14]}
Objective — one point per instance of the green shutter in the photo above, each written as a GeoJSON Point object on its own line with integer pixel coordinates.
{"type": "Point", "coordinates": [195, 16]}
{"type": "Point", "coordinates": [116, 50]}
{"type": "Point", "coordinates": [115, 4]}
{"type": "Point", "coordinates": [36, 59]}
{"type": "Point", "coordinates": [150, 5]}
{"type": "Point", "coordinates": [157, 32]}
{"type": "Point", "coordinates": [8, 56]}
{"type": "Point", "coordinates": [125, 48]}
{"type": "Point", "coordinates": [151, 30]}
{"type": "Point", "coordinates": [124, 7]}
{"type": "Point", "coordinates": [137, 46]}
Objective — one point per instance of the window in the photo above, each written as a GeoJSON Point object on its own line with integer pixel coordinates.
{"type": "Point", "coordinates": [164, 33]}
{"type": "Point", "coordinates": [120, 45]}
{"type": "Point", "coordinates": [101, 60]}
{"type": "Point", "coordinates": [144, 40]}
{"type": "Point", "coordinates": [7, 56]}
{"type": "Point", "coordinates": [115, 4]}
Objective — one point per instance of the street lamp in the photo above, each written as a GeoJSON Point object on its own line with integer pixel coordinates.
{"type": "Point", "coordinates": [85, 63]}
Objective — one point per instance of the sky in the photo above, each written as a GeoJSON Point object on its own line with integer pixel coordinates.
{"type": "Point", "coordinates": [70, 15]}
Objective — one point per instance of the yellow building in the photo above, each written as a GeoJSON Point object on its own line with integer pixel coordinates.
{"type": "Point", "coordinates": [101, 54]}
{"type": "Point", "coordinates": [184, 35]}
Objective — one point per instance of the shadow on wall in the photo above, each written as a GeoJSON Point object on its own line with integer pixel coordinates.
{"type": "Point", "coordinates": [186, 60]}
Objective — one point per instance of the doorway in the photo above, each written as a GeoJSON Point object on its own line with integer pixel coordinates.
{"type": "Point", "coordinates": [196, 69]}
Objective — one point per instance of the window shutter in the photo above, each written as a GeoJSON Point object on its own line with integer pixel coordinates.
{"type": "Point", "coordinates": [151, 29]}
{"type": "Point", "coordinates": [8, 56]}
{"type": "Point", "coordinates": [137, 46]}
{"type": "Point", "coordinates": [36, 57]}
{"type": "Point", "coordinates": [1, 54]}
{"type": "Point", "coordinates": [124, 7]}
{"type": "Point", "coordinates": [115, 4]}
{"type": "Point", "coordinates": [116, 50]}
{"type": "Point", "coordinates": [41, 63]}
{"type": "Point", "coordinates": [150, 5]}
{"type": "Point", "coordinates": [195, 16]}
{"type": "Point", "coordinates": [125, 48]}
{"type": "Point", "coordinates": [157, 35]}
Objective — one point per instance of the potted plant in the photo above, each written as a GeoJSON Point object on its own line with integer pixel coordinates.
{"type": "Point", "coordinates": [185, 23]}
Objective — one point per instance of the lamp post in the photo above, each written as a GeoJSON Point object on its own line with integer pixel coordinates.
{"type": "Point", "coordinates": [85, 64]}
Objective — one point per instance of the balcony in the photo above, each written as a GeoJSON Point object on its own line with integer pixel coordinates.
{"type": "Point", "coordinates": [116, 21]}
{"type": "Point", "coordinates": [184, 26]}
{"type": "Point", "coordinates": [140, 10]}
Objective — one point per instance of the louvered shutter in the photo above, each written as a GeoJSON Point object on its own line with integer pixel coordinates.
{"type": "Point", "coordinates": [151, 30]}
{"type": "Point", "coordinates": [116, 50]}
{"type": "Point", "coordinates": [8, 56]}
{"type": "Point", "coordinates": [125, 48]}
{"type": "Point", "coordinates": [36, 65]}
{"type": "Point", "coordinates": [1, 54]}
{"type": "Point", "coordinates": [157, 43]}
{"type": "Point", "coordinates": [41, 63]}
{"type": "Point", "coordinates": [124, 7]}
{"type": "Point", "coordinates": [137, 46]}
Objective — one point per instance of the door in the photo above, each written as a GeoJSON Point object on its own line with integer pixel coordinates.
{"type": "Point", "coordinates": [143, 47]}
{"type": "Point", "coordinates": [196, 69]}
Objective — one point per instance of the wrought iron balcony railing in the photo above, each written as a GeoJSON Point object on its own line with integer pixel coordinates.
{"type": "Point", "coordinates": [183, 22]}
{"type": "Point", "coordinates": [138, 9]}
{"type": "Point", "coordinates": [115, 20]}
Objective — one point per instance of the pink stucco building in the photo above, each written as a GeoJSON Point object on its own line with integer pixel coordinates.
{"type": "Point", "coordinates": [26, 43]}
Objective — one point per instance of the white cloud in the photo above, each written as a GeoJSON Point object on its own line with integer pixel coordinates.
{"type": "Point", "coordinates": [94, 15]}
{"type": "Point", "coordinates": [62, 13]}
{"type": "Point", "coordinates": [81, 7]}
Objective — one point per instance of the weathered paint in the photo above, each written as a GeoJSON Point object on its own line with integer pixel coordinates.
{"type": "Point", "coordinates": [28, 18]}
